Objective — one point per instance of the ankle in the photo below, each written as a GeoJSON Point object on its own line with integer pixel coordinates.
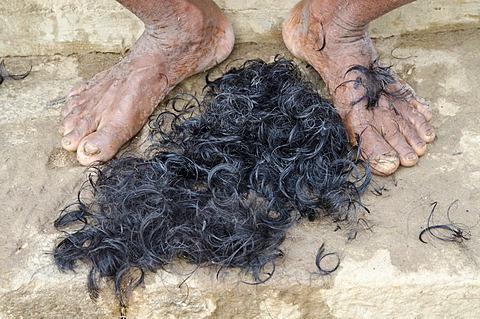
{"type": "Point", "coordinates": [346, 31]}
{"type": "Point", "coordinates": [336, 19]}
{"type": "Point", "coordinates": [177, 22]}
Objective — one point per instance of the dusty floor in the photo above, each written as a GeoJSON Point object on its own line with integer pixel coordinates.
{"type": "Point", "coordinates": [385, 272]}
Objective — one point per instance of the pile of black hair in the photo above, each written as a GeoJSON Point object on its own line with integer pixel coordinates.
{"type": "Point", "coordinates": [225, 178]}
{"type": "Point", "coordinates": [4, 74]}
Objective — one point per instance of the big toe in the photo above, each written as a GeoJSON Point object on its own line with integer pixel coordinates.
{"type": "Point", "coordinates": [384, 163]}
{"type": "Point", "coordinates": [382, 158]}
{"type": "Point", "coordinates": [73, 136]}
{"type": "Point", "coordinates": [98, 147]}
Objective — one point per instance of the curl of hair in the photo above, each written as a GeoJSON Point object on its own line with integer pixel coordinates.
{"type": "Point", "coordinates": [4, 74]}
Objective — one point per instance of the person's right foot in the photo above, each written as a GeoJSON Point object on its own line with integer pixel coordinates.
{"type": "Point", "coordinates": [395, 130]}
{"type": "Point", "coordinates": [180, 39]}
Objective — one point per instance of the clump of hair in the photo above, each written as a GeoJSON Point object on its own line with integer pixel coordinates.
{"type": "Point", "coordinates": [224, 178]}
{"type": "Point", "coordinates": [375, 80]}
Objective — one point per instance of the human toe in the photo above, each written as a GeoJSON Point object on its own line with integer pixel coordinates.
{"type": "Point", "coordinates": [100, 146]}
{"type": "Point", "coordinates": [406, 154]}
{"type": "Point", "coordinates": [76, 90]}
{"type": "Point", "coordinates": [420, 122]}
{"type": "Point", "coordinates": [427, 132]}
{"type": "Point", "coordinates": [408, 143]}
{"type": "Point", "coordinates": [421, 105]}
{"type": "Point", "coordinates": [384, 164]}
{"type": "Point", "coordinates": [383, 159]}
{"type": "Point", "coordinates": [74, 130]}
{"type": "Point", "coordinates": [408, 158]}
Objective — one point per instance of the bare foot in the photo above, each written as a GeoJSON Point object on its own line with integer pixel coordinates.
{"type": "Point", "coordinates": [180, 39]}
{"type": "Point", "coordinates": [395, 130]}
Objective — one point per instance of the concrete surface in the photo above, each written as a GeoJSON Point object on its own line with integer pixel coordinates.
{"type": "Point", "coordinates": [45, 27]}
{"type": "Point", "coordinates": [386, 272]}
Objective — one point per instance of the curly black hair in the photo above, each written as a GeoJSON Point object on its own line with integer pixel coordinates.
{"type": "Point", "coordinates": [223, 180]}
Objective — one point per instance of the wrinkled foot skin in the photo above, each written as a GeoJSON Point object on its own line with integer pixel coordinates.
{"type": "Point", "coordinates": [390, 119]}
{"type": "Point", "coordinates": [180, 40]}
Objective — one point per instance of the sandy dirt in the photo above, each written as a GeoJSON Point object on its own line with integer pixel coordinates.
{"type": "Point", "coordinates": [38, 179]}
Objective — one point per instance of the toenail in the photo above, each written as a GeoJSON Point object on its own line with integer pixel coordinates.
{"type": "Point", "coordinates": [91, 149]}
{"type": "Point", "coordinates": [66, 141]}
{"type": "Point", "coordinates": [422, 145]}
{"type": "Point", "coordinates": [61, 130]}
{"type": "Point", "coordinates": [430, 132]}
{"type": "Point", "coordinates": [387, 158]}
{"type": "Point", "coordinates": [411, 157]}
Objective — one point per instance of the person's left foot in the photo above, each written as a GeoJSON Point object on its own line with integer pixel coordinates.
{"type": "Point", "coordinates": [396, 129]}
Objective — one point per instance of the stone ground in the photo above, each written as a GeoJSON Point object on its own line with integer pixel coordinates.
{"type": "Point", "coordinates": [386, 272]}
